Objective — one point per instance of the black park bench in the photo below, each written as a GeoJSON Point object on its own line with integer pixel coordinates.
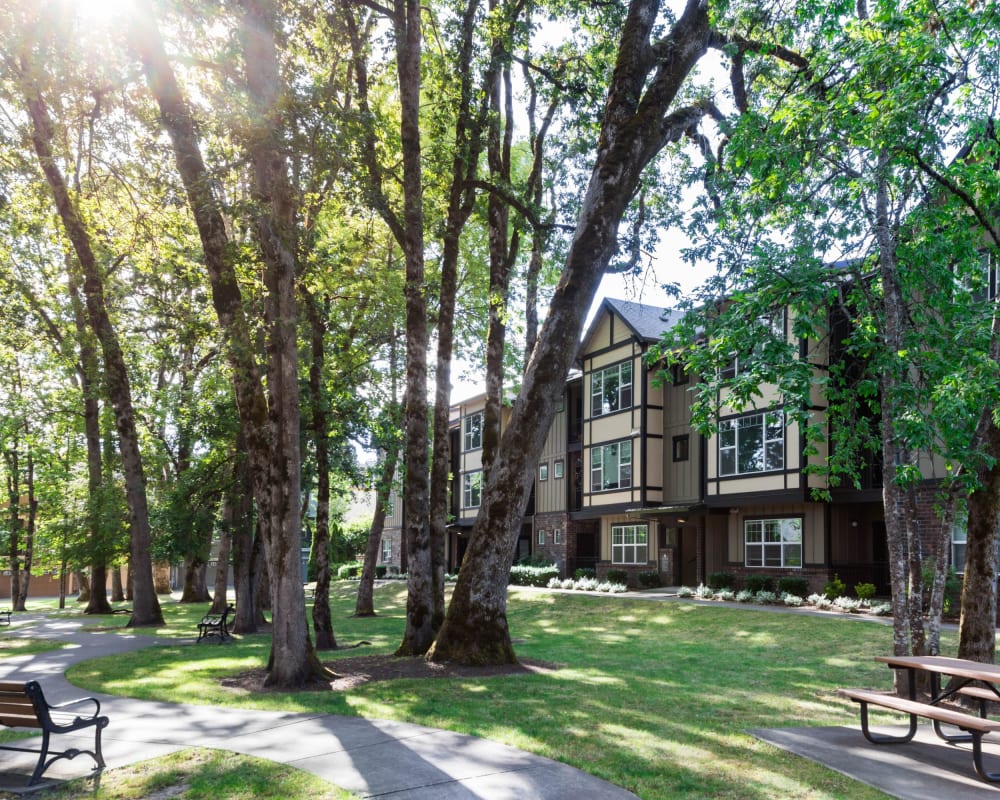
{"type": "Point", "coordinates": [5, 616]}
{"type": "Point", "coordinates": [23, 705]}
{"type": "Point", "coordinates": [216, 625]}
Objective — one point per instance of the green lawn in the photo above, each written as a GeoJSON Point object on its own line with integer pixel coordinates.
{"type": "Point", "coordinates": [653, 696]}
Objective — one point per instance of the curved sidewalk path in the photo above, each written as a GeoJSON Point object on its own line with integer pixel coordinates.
{"type": "Point", "coordinates": [373, 758]}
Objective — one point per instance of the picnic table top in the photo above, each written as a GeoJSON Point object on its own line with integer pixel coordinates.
{"type": "Point", "coordinates": [958, 667]}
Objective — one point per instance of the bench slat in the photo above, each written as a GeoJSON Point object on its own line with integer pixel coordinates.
{"type": "Point", "coordinates": [905, 706]}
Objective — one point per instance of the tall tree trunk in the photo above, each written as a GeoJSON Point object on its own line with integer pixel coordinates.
{"type": "Point", "coordinates": [11, 457]}
{"type": "Point", "coordinates": [227, 515]}
{"type": "Point", "coordinates": [195, 579]}
{"type": "Point", "coordinates": [293, 659]}
{"type": "Point", "coordinates": [271, 432]}
{"type": "Point", "coordinates": [419, 632]}
{"type": "Point", "coordinates": [245, 575]}
{"type": "Point", "coordinates": [635, 127]}
{"type": "Point", "coordinates": [322, 622]}
{"type": "Point", "coordinates": [365, 605]}
{"type": "Point", "coordinates": [146, 607]}
{"type": "Point", "coordinates": [88, 370]}
{"type": "Point", "coordinates": [978, 622]}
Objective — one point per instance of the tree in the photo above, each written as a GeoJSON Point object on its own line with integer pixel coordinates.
{"type": "Point", "coordinates": [640, 118]}
{"type": "Point", "coordinates": [839, 188]}
{"type": "Point", "coordinates": [146, 609]}
{"type": "Point", "coordinates": [269, 420]}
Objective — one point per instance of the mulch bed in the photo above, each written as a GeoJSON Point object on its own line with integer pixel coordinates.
{"type": "Point", "coordinates": [356, 671]}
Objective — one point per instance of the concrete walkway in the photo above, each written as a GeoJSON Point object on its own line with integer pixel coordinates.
{"type": "Point", "coordinates": [373, 758]}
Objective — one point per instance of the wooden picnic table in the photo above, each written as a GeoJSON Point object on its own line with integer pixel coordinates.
{"type": "Point", "coordinates": [969, 678]}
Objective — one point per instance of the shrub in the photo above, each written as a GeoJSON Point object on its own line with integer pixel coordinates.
{"type": "Point", "coordinates": [584, 572]}
{"type": "Point", "coordinates": [793, 584]}
{"type": "Point", "coordinates": [565, 583]}
{"type": "Point", "coordinates": [847, 604]}
{"type": "Point", "coordinates": [745, 596]}
{"type": "Point", "coordinates": [835, 588]}
{"type": "Point", "coordinates": [523, 575]}
{"type": "Point", "coordinates": [704, 592]}
{"type": "Point", "coordinates": [381, 570]}
{"type": "Point", "coordinates": [586, 584]}
{"type": "Point", "coordinates": [818, 600]}
{"type": "Point", "coordinates": [864, 591]}
{"type": "Point", "coordinates": [612, 588]}
{"type": "Point", "coordinates": [721, 580]}
{"type": "Point", "coordinates": [685, 591]}
{"type": "Point", "coordinates": [792, 600]}
{"type": "Point", "coordinates": [725, 594]}
{"type": "Point", "coordinates": [649, 580]}
{"type": "Point", "coordinates": [351, 570]}
{"type": "Point", "coordinates": [555, 583]}
{"type": "Point", "coordinates": [881, 609]}
{"type": "Point", "coordinates": [766, 598]}
{"type": "Point", "coordinates": [617, 576]}
{"type": "Point", "coordinates": [758, 583]}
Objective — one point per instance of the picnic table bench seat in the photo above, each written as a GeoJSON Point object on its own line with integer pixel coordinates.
{"type": "Point", "coordinates": [216, 625]}
{"type": "Point", "coordinates": [5, 616]}
{"type": "Point", "coordinates": [975, 727]}
{"type": "Point", "coordinates": [23, 705]}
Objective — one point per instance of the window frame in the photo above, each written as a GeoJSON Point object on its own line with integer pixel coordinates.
{"type": "Point", "coordinates": [775, 323]}
{"type": "Point", "coordinates": [472, 489]}
{"type": "Point", "coordinates": [681, 448]}
{"type": "Point", "coordinates": [624, 392]}
{"type": "Point", "coordinates": [557, 536]}
{"type": "Point", "coordinates": [541, 536]}
{"type": "Point", "coordinates": [621, 549]}
{"type": "Point", "coordinates": [780, 543]}
{"type": "Point", "coordinates": [543, 471]}
{"type": "Point", "coordinates": [472, 439]}
{"type": "Point", "coordinates": [558, 469]}
{"type": "Point", "coordinates": [731, 462]}
{"type": "Point", "coordinates": [598, 466]}
{"type": "Point", "coordinates": [386, 550]}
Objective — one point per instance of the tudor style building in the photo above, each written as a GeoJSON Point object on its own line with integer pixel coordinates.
{"type": "Point", "coordinates": [624, 481]}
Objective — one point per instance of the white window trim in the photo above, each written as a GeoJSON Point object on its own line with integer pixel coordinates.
{"type": "Point", "coordinates": [628, 549]}
{"type": "Point", "coordinates": [470, 434]}
{"type": "Point", "coordinates": [472, 482]}
{"type": "Point", "coordinates": [543, 471]}
{"type": "Point", "coordinates": [541, 536]}
{"type": "Point", "coordinates": [743, 422]}
{"type": "Point", "coordinates": [597, 467]}
{"type": "Point", "coordinates": [597, 380]}
{"type": "Point", "coordinates": [783, 542]}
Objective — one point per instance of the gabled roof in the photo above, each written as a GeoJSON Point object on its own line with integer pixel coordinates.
{"type": "Point", "coordinates": [648, 323]}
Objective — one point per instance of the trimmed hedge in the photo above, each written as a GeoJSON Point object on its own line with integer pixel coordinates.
{"type": "Point", "coordinates": [791, 584]}
{"type": "Point", "coordinates": [758, 583]}
{"type": "Point", "coordinates": [617, 576]}
{"type": "Point", "coordinates": [721, 580]}
{"type": "Point", "coordinates": [649, 580]}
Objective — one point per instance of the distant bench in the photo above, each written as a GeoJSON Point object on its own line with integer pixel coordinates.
{"type": "Point", "coordinates": [215, 625]}
{"type": "Point", "coordinates": [23, 705]}
{"type": "Point", "coordinates": [5, 616]}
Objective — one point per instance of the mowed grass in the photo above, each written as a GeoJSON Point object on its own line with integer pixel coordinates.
{"type": "Point", "coordinates": [653, 696]}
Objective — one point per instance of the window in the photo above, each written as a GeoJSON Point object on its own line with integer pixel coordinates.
{"type": "Point", "coordinates": [770, 326]}
{"type": "Point", "coordinates": [472, 489]}
{"type": "Point", "coordinates": [628, 544]}
{"type": "Point", "coordinates": [983, 284]}
{"type": "Point", "coordinates": [682, 447]}
{"type": "Point", "coordinates": [386, 550]}
{"type": "Point", "coordinates": [611, 466]}
{"type": "Point", "coordinates": [753, 443]}
{"type": "Point", "coordinates": [678, 375]}
{"type": "Point", "coordinates": [541, 535]}
{"type": "Point", "coordinates": [558, 469]}
{"type": "Point", "coordinates": [773, 542]}
{"type": "Point", "coordinates": [543, 471]}
{"type": "Point", "coordinates": [611, 389]}
{"type": "Point", "coordinates": [472, 427]}
{"type": "Point", "coordinates": [557, 536]}
{"type": "Point", "coordinates": [958, 538]}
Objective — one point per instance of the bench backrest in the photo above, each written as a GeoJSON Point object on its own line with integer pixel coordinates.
{"type": "Point", "coordinates": [22, 705]}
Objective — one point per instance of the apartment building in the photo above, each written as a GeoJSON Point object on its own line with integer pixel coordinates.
{"type": "Point", "coordinates": [625, 482]}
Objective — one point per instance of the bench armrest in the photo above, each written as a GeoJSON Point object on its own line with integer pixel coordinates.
{"type": "Point", "coordinates": [68, 703]}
